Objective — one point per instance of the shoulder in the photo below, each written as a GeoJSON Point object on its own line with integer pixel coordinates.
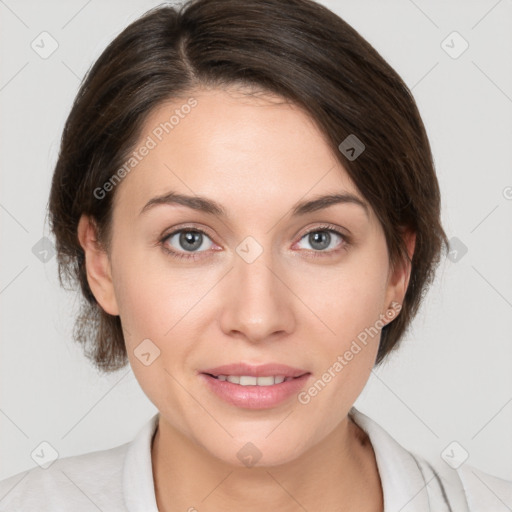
{"type": "Point", "coordinates": [90, 481]}
{"type": "Point", "coordinates": [466, 488]}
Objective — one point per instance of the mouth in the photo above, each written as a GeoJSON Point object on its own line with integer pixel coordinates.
{"type": "Point", "coordinates": [254, 391]}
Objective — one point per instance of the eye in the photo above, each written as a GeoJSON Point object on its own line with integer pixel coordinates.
{"type": "Point", "coordinates": [189, 243]}
{"type": "Point", "coordinates": [323, 237]}
{"type": "Point", "coordinates": [185, 241]}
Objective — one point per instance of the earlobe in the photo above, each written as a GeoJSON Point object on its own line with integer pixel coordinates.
{"type": "Point", "coordinates": [97, 265]}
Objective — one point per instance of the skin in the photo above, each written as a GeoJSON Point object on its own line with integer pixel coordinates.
{"type": "Point", "coordinates": [257, 156]}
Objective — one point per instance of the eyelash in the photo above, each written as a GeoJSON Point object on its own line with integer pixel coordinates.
{"type": "Point", "coordinates": [196, 255]}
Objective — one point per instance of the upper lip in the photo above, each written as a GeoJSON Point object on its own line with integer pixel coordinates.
{"type": "Point", "coordinates": [264, 370]}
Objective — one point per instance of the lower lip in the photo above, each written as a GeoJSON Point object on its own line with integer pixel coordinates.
{"type": "Point", "coordinates": [255, 397]}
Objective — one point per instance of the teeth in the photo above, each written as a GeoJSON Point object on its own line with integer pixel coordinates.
{"type": "Point", "coordinates": [247, 380]}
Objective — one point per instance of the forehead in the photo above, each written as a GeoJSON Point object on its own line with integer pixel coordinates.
{"type": "Point", "coordinates": [240, 149]}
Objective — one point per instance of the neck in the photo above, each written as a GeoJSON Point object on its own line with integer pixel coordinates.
{"type": "Point", "coordinates": [338, 474]}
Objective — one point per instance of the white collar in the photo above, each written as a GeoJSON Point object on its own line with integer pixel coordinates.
{"type": "Point", "coordinates": [138, 486]}
{"type": "Point", "coordinates": [403, 484]}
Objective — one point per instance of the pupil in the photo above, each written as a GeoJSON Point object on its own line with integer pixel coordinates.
{"type": "Point", "coordinates": [320, 238]}
{"type": "Point", "coordinates": [192, 239]}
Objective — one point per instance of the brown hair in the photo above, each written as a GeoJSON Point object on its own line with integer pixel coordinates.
{"type": "Point", "coordinates": [297, 49]}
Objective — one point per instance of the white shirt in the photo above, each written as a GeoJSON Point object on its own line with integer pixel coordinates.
{"type": "Point", "coordinates": [121, 479]}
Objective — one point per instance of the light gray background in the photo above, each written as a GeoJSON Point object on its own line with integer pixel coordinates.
{"type": "Point", "coordinates": [452, 378]}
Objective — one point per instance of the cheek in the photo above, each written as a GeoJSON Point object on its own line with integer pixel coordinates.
{"type": "Point", "coordinates": [347, 298]}
{"type": "Point", "coordinates": [150, 310]}
{"type": "Point", "coordinates": [347, 302]}
{"type": "Point", "coordinates": [144, 298]}
{"type": "Point", "coordinates": [148, 293]}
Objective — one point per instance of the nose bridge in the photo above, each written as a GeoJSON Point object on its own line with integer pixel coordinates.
{"type": "Point", "coordinates": [259, 303]}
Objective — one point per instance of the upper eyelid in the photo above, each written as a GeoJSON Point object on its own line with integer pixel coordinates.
{"type": "Point", "coordinates": [323, 227]}
{"type": "Point", "coordinates": [186, 228]}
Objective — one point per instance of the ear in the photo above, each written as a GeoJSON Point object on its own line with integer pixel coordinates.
{"type": "Point", "coordinates": [97, 265]}
{"type": "Point", "coordinates": [398, 280]}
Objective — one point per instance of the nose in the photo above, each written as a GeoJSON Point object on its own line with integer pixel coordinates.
{"type": "Point", "coordinates": [257, 304]}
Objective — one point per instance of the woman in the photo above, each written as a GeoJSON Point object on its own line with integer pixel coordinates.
{"type": "Point", "coordinates": [246, 195]}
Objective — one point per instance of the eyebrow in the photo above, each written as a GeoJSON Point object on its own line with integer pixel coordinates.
{"type": "Point", "coordinates": [211, 207]}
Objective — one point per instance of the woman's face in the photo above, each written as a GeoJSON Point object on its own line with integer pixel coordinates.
{"type": "Point", "coordinates": [255, 287]}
